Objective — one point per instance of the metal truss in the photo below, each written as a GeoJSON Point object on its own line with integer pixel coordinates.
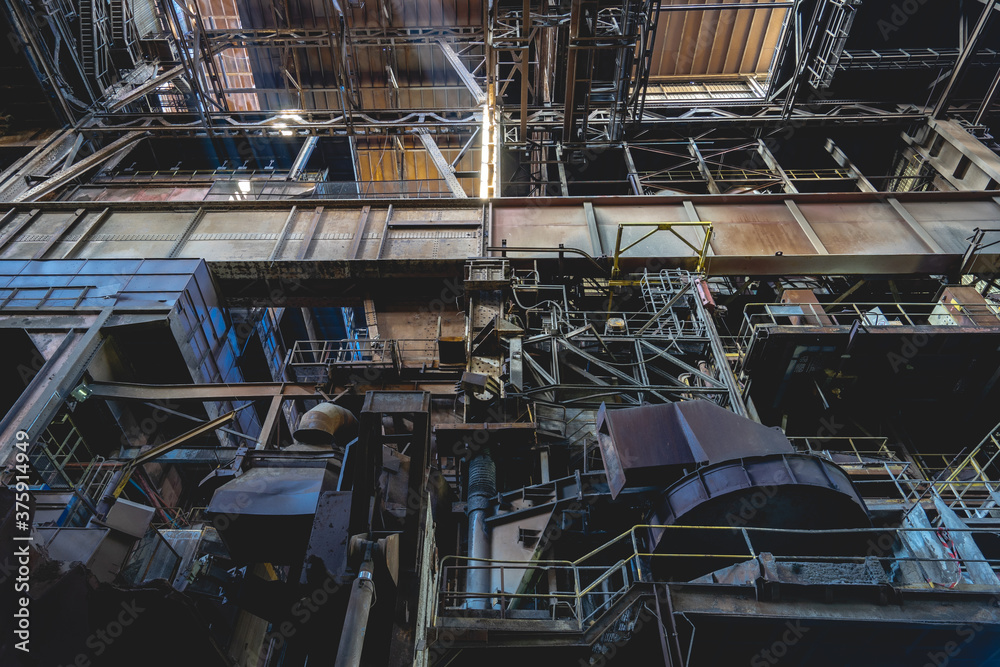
{"type": "Point", "coordinates": [667, 351]}
{"type": "Point", "coordinates": [322, 123]}
{"type": "Point", "coordinates": [908, 59]}
{"type": "Point", "coordinates": [196, 53]}
{"type": "Point", "coordinates": [536, 43]}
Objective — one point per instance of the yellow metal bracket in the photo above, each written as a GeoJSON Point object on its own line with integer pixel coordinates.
{"type": "Point", "coordinates": [160, 450]}
{"type": "Point", "coordinates": [671, 227]}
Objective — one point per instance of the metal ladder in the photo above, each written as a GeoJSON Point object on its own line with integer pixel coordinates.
{"type": "Point", "coordinates": [118, 34]}
{"type": "Point", "coordinates": [660, 290]}
{"type": "Point", "coordinates": [88, 37]}
{"type": "Point", "coordinates": [834, 36]}
{"type": "Point", "coordinates": [974, 498]}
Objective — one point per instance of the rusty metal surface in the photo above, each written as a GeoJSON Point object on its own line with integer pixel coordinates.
{"type": "Point", "coordinates": [845, 233]}
{"type": "Point", "coordinates": [396, 402]}
{"type": "Point", "coordinates": [789, 491]}
{"type": "Point", "coordinates": [200, 392]}
{"type": "Point", "coordinates": [326, 553]}
{"type": "Point", "coordinates": [858, 629]}
{"type": "Point", "coordinates": [649, 445]}
{"type": "Point", "coordinates": [277, 501]}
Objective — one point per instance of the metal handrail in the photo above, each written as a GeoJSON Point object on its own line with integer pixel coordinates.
{"type": "Point", "coordinates": [407, 351]}
{"type": "Point", "coordinates": [912, 314]}
{"type": "Point", "coordinates": [575, 598]}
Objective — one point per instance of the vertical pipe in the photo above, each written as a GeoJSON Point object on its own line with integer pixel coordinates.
{"type": "Point", "coordinates": [107, 498]}
{"type": "Point", "coordinates": [482, 489]}
{"type": "Point", "coordinates": [352, 638]}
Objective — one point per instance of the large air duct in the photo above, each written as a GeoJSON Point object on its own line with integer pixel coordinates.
{"type": "Point", "coordinates": [482, 490]}
{"type": "Point", "coordinates": [326, 424]}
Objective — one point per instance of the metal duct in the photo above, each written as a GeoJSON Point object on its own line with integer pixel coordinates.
{"type": "Point", "coordinates": [326, 424]}
{"type": "Point", "coordinates": [482, 489]}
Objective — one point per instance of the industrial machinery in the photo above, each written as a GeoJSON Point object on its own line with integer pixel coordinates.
{"type": "Point", "coordinates": [461, 333]}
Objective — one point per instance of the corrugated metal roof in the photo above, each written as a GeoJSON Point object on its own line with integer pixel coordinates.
{"type": "Point", "coordinates": [276, 78]}
{"type": "Point", "coordinates": [416, 13]}
{"type": "Point", "coordinates": [716, 42]}
{"type": "Point", "coordinates": [233, 65]}
{"type": "Point", "coordinates": [381, 160]}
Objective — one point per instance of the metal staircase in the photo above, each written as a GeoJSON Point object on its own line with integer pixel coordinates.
{"type": "Point", "coordinates": [119, 34]}
{"type": "Point", "coordinates": [88, 37]}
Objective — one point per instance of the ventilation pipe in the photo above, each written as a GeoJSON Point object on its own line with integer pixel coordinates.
{"type": "Point", "coordinates": [326, 424]}
{"type": "Point", "coordinates": [482, 489]}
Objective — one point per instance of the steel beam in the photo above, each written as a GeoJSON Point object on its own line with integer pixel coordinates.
{"type": "Point", "coordinates": [773, 165]}
{"type": "Point", "coordinates": [915, 226]}
{"type": "Point", "coordinates": [633, 174]}
{"type": "Point", "coordinates": [964, 58]}
{"type": "Point", "coordinates": [463, 72]}
{"type": "Point", "coordinates": [840, 157]}
{"type": "Point", "coordinates": [569, 111]}
{"type": "Point", "coordinates": [44, 396]}
{"type": "Point", "coordinates": [450, 231]}
{"type": "Point", "coordinates": [64, 176]}
{"type": "Point", "coordinates": [706, 173]}
{"type": "Point", "coordinates": [332, 122]}
{"type": "Point", "coordinates": [806, 227]}
{"type": "Point", "coordinates": [597, 247]}
{"type": "Point", "coordinates": [984, 108]}
{"type": "Point", "coordinates": [200, 392]}
{"type": "Point", "coordinates": [443, 168]}
{"type": "Point", "coordinates": [146, 88]}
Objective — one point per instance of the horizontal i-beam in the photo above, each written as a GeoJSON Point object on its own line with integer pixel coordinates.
{"type": "Point", "coordinates": [862, 232]}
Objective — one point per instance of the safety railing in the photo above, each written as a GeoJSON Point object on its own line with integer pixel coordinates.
{"type": "Point", "coordinates": [586, 589]}
{"type": "Point", "coordinates": [864, 449]}
{"type": "Point", "coordinates": [979, 315]}
{"type": "Point", "coordinates": [398, 353]}
{"type": "Point", "coordinates": [970, 499]}
{"type": "Point", "coordinates": [618, 324]}
{"type": "Point", "coordinates": [206, 175]}
{"type": "Point", "coordinates": [414, 188]}
{"type": "Point", "coordinates": [700, 247]}
{"type": "Point", "coordinates": [346, 352]}
{"type": "Point", "coordinates": [180, 517]}
{"type": "Point", "coordinates": [968, 482]}
{"type": "Point", "coordinates": [666, 178]}
{"type": "Point", "coordinates": [96, 476]}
